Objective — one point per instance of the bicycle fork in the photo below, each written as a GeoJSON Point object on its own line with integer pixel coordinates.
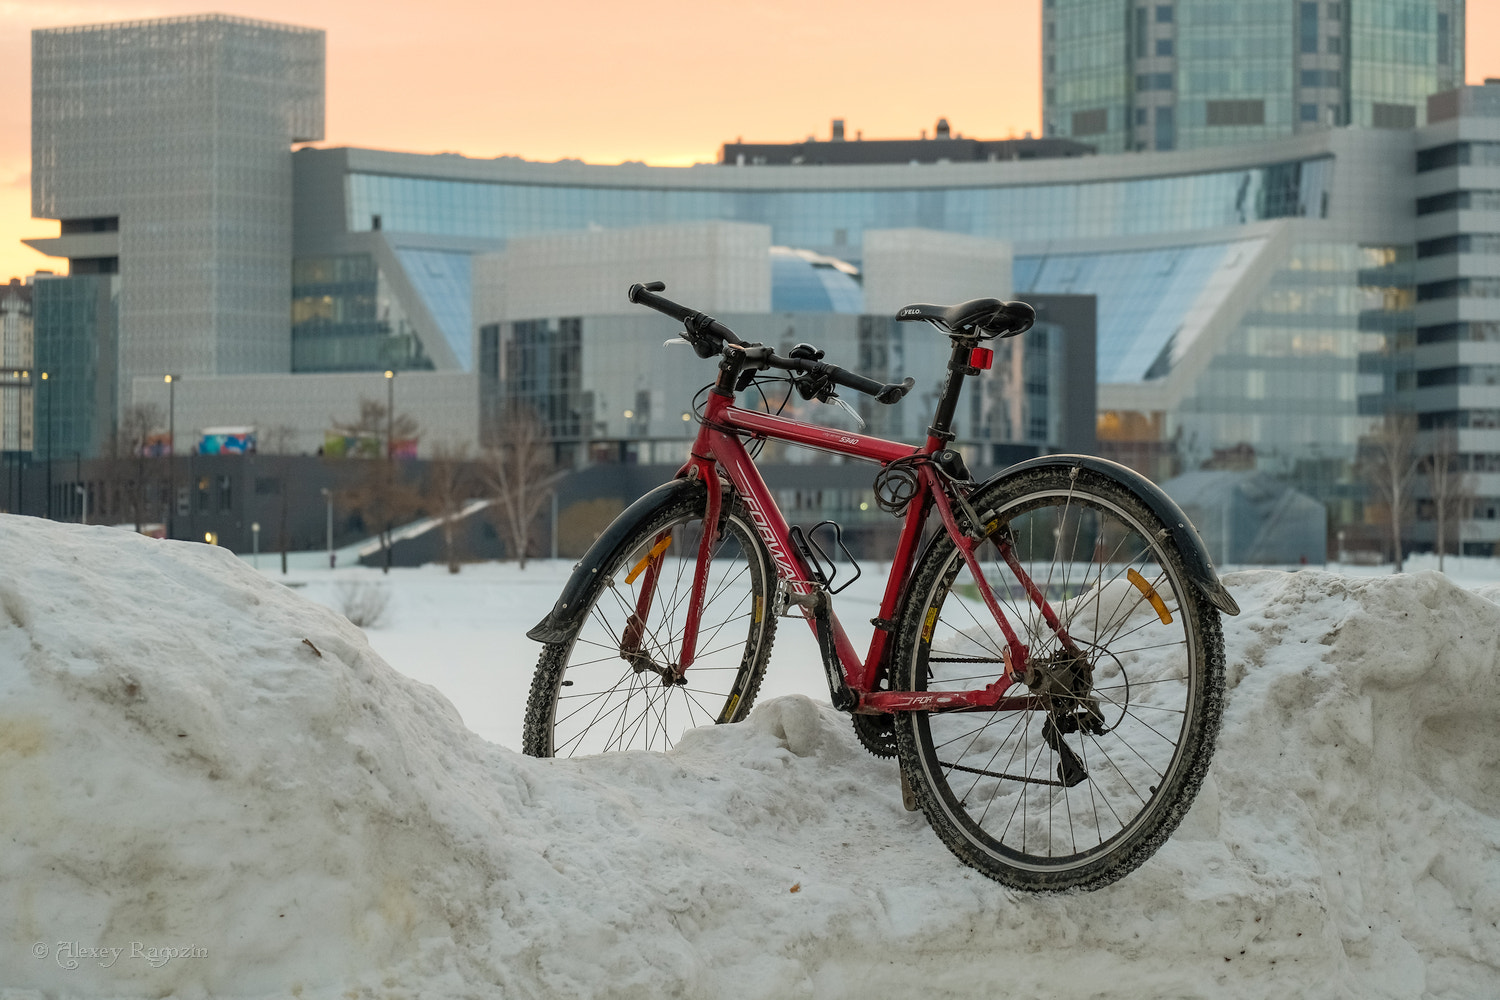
{"type": "Point", "coordinates": [633, 636]}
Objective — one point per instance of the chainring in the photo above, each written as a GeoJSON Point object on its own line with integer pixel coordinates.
{"type": "Point", "coordinates": [877, 733]}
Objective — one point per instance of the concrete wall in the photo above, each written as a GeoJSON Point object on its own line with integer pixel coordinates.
{"type": "Point", "coordinates": [713, 266]}
{"type": "Point", "coordinates": [902, 266]}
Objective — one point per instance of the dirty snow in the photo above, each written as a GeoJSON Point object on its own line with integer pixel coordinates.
{"type": "Point", "coordinates": [212, 786]}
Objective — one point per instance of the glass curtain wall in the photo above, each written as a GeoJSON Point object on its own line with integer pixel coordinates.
{"type": "Point", "coordinates": [1235, 73]}
{"type": "Point", "coordinates": [345, 318]}
{"type": "Point", "coordinates": [1086, 79]}
{"type": "Point", "coordinates": [1402, 51]}
{"type": "Point", "coordinates": [833, 222]}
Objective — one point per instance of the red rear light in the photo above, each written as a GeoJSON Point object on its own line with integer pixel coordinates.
{"type": "Point", "coordinates": [981, 358]}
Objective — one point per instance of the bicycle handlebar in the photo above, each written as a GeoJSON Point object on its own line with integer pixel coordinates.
{"type": "Point", "coordinates": [696, 324]}
{"type": "Point", "coordinates": [702, 331]}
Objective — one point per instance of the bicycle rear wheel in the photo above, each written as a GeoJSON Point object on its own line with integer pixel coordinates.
{"type": "Point", "coordinates": [598, 691]}
{"type": "Point", "coordinates": [1085, 783]}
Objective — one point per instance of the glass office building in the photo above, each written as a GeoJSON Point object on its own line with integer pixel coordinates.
{"type": "Point", "coordinates": [76, 345]}
{"type": "Point", "coordinates": [1232, 284]}
{"type": "Point", "coordinates": [163, 147]}
{"type": "Point", "coordinates": [1183, 74]}
{"type": "Point", "coordinates": [1445, 371]}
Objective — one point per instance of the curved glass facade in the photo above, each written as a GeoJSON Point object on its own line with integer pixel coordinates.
{"type": "Point", "coordinates": [1144, 298]}
{"type": "Point", "coordinates": [799, 285]}
{"type": "Point", "coordinates": [835, 221]}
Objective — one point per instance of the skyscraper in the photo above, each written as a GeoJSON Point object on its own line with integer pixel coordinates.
{"type": "Point", "coordinates": [164, 148]}
{"type": "Point", "coordinates": [1183, 74]}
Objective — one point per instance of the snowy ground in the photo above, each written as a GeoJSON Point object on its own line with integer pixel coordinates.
{"type": "Point", "coordinates": [179, 769]}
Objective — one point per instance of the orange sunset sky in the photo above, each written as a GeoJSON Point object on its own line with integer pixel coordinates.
{"type": "Point", "coordinates": [665, 81]}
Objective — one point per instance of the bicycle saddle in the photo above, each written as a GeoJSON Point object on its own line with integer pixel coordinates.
{"type": "Point", "coordinates": [986, 317]}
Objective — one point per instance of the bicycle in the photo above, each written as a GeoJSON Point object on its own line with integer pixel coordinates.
{"type": "Point", "coordinates": [1047, 664]}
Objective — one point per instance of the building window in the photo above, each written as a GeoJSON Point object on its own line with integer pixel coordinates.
{"type": "Point", "coordinates": [1394, 115]}
{"type": "Point", "coordinates": [1251, 112]}
{"type": "Point", "coordinates": [226, 493]}
{"type": "Point", "coordinates": [1163, 14]}
{"type": "Point", "coordinates": [1309, 112]}
{"type": "Point", "coordinates": [1166, 132]}
{"type": "Point", "coordinates": [1309, 27]}
{"type": "Point", "coordinates": [1092, 122]}
{"type": "Point", "coordinates": [1335, 11]}
{"type": "Point", "coordinates": [1335, 44]}
{"type": "Point", "coordinates": [1164, 46]}
{"type": "Point", "coordinates": [1451, 155]}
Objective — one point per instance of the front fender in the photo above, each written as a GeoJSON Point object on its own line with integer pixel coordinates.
{"type": "Point", "coordinates": [1199, 566]}
{"type": "Point", "coordinates": [584, 584]}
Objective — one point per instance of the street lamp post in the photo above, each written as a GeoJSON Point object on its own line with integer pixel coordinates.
{"type": "Point", "coordinates": [328, 495]}
{"type": "Point", "coordinates": [390, 461]}
{"type": "Point", "coordinates": [255, 544]}
{"type": "Point", "coordinates": [171, 381]}
{"type": "Point", "coordinates": [46, 378]}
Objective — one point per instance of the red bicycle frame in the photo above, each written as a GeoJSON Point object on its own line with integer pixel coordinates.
{"type": "Point", "coordinates": [719, 445]}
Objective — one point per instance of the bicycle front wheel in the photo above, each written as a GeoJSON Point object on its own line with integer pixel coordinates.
{"type": "Point", "coordinates": [609, 685]}
{"type": "Point", "coordinates": [1085, 782]}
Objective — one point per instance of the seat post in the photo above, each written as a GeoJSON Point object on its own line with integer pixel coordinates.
{"type": "Point", "coordinates": [941, 431]}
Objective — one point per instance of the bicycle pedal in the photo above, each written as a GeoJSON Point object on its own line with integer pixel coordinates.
{"type": "Point", "coordinates": [908, 797]}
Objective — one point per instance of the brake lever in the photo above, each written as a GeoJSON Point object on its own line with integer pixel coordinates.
{"type": "Point", "coordinates": [676, 340]}
{"type": "Point", "coordinates": [834, 397]}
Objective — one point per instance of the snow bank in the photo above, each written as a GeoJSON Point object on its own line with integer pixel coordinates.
{"type": "Point", "coordinates": [195, 758]}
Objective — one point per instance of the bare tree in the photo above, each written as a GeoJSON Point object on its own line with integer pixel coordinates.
{"type": "Point", "coordinates": [1388, 465]}
{"type": "Point", "coordinates": [450, 483]}
{"type": "Point", "coordinates": [380, 496]}
{"type": "Point", "coordinates": [520, 473]}
{"type": "Point", "coordinates": [1450, 488]}
{"type": "Point", "coordinates": [371, 433]}
{"type": "Point", "coordinates": [124, 487]}
{"type": "Point", "coordinates": [277, 441]}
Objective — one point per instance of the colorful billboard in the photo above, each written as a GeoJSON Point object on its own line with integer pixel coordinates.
{"type": "Point", "coordinates": [337, 444]}
{"type": "Point", "coordinates": [226, 441]}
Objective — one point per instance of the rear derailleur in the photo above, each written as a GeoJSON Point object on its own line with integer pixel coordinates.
{"type": "Point", "coordinates": [1063, 682]}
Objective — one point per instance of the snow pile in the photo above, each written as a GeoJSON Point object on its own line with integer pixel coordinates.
{"type": "Point", "coordinates": [221, 781]}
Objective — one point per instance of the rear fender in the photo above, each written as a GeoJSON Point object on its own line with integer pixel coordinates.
{"type": "Point", "coordinates": [1200, 568]}
{"type": "Point", "coordinates": [583, 586]}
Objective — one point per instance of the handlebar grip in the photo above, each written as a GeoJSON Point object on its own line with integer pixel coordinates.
{"type": "Point", "coordinates": [696, 323]}
{"type": "Point", "coordinates": [894, 393]}
{"type": "Point", "coordinates": [645, 295]}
